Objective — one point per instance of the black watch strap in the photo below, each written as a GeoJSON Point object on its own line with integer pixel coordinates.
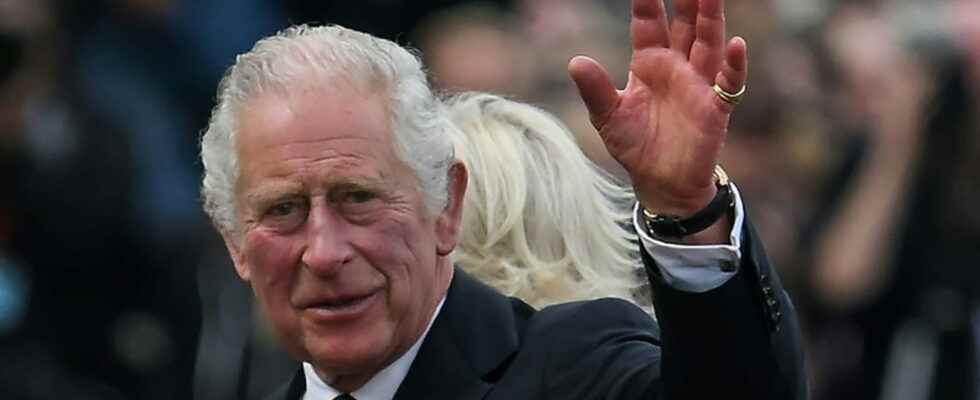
{"type": "Point", "coordinates": [674, 227]}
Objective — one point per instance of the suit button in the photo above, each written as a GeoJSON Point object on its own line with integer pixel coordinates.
{"type": "Point", "coordinates": [775, 318]}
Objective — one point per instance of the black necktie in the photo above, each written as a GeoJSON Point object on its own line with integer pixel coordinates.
{"type": "Point", "coordinates": [344, 396]}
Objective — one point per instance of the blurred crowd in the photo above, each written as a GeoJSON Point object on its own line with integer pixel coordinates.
{"type": "Point", "coordinates": [857, 151]}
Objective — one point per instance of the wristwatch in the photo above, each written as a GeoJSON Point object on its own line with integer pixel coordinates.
{"type": "Point", "coordinates": [659, 225]}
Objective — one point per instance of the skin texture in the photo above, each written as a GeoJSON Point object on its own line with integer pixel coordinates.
{"type": "Point", "coordinates": [667, 127]}
{"type": "Point", "coordinates": [329, 214]}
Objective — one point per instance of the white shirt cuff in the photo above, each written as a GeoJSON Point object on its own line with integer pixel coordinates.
{"type": "Point", "coordinates": [696, 269]}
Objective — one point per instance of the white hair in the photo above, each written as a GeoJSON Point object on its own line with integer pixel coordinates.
{"type": "Point", "coordinates": [323, 57]}
{"type": "Point", "coordinates": [540, 220]}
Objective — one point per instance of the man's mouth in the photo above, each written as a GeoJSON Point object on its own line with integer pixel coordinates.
{"type": "Point", "coordinates": [346, 308]}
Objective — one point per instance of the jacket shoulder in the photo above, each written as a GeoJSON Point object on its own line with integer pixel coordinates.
{"type": "Point", "coordinates": [582, 317]}
{"type": "Point", "coordinates": [597, 348]}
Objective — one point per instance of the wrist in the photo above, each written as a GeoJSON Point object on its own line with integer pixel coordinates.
{"type": "Point", "coordinates": [675, 206]}
{"type": "Point", "coordinates": [718, 233]}
{"type": "Point", "coordinates": [687, 223]}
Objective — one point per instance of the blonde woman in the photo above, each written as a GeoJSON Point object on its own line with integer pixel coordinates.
{"type": "Point", "coordinates": [540, 222]}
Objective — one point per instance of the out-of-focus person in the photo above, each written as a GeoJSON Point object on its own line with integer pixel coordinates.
{"type": "Point", "coordinates": [892, 277]}
{"type": "Point", "coordinates": [476, 47]}
{"type": "Point", "coordinates": [514, 51]}
{"type": "Point", "coordinates": [67, 180]}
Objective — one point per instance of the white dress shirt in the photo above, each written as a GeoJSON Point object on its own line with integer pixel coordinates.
{"type": "Point", "coordinates": [695, 269]}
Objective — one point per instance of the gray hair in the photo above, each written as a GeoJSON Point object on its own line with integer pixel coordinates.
{"type": "Point", "coordinates": [541, 221]}
{"type": "Point", "coordinates": [303, 56]}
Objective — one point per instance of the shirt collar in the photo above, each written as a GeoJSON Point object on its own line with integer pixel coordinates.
{"type": "Point", "coordinates": [382, 386]}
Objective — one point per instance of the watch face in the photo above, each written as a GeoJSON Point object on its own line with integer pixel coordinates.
{"type": "Point", "coordinates": [721, 177]}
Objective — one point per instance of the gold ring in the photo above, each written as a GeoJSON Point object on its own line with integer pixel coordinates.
{"type": "Point", "coordinates": [730, 98]}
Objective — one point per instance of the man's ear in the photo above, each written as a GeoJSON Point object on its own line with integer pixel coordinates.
{"type": "Point", "coordinates": [449, 220]}
{"type": "Point", "coordinates": [236, 256]}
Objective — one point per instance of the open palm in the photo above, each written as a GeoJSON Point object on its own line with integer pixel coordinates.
{"type": "Point", "coordinates": [667, 127]}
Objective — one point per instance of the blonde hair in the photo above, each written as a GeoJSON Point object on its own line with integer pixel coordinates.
{"type": "Point", "coordinates": [540, 221]}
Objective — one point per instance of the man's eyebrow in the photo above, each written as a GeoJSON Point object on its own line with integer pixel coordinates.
{"type": "Point", "coordinates": [356, 182]}
{"type": "Point", "coordinates": [272, 192]}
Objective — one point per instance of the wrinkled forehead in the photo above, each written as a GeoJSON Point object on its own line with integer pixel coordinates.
{"type": "Point", "coordinates": [314, 110]}
{"type": "Point", "coordinates": [306, 125]}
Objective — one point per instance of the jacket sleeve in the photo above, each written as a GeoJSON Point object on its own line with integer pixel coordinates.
{"type": "Point", "coordinates": [740, 340]}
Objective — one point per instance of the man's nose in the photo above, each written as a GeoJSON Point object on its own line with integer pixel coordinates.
{"type": "Point", "coordinates": [327, 246]}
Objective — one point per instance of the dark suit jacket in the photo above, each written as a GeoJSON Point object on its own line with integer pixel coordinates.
{"type": "Point", "coordinates": [739, 341]}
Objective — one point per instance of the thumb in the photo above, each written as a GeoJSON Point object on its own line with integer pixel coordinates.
{"type": "Point", "coordinates": [595, 87]}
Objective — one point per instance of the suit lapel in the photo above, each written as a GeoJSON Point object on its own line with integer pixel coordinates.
{"type": "Point", "coordinates": [474, 335]}
{"type": "Point", "coordinates": [293, 390]}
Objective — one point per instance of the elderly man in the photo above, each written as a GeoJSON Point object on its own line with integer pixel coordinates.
{"type": "Point", "coordinates": [329, 173]}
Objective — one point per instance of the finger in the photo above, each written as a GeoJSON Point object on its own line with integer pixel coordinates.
{"type": "Point", "coordinates": [735, 71]}
{"type": "Point", "coordinates": [648, 26]}
{"type": "Point", "coordinates": [707, 52]}
{"type": "Point", "coordinates": [596, 89]}
{"type": "Point", "coordinates": [682, 32]}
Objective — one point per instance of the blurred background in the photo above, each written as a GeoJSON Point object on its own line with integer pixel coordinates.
{"type": "Point", "coordinates": [857, 151]}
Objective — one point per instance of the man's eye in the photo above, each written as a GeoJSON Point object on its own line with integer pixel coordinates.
{"type": "Point", "coordinates": [285, 216]}
{"type": "Point", "coordinates": [358, 205]}
{"type": "Point", "coordinates": [282, 209]}
{"type": "Point", "coordinates": [360, 196]}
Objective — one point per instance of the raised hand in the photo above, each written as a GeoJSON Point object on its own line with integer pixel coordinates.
{"type": "Point", "coordinates": [668, 126]}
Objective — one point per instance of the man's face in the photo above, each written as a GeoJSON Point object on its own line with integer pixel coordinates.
{"type": "Point", "coordinates": [335, 241]}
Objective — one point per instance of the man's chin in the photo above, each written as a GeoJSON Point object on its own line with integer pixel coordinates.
{"type": "Point", "coordinates": [348, 355]}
